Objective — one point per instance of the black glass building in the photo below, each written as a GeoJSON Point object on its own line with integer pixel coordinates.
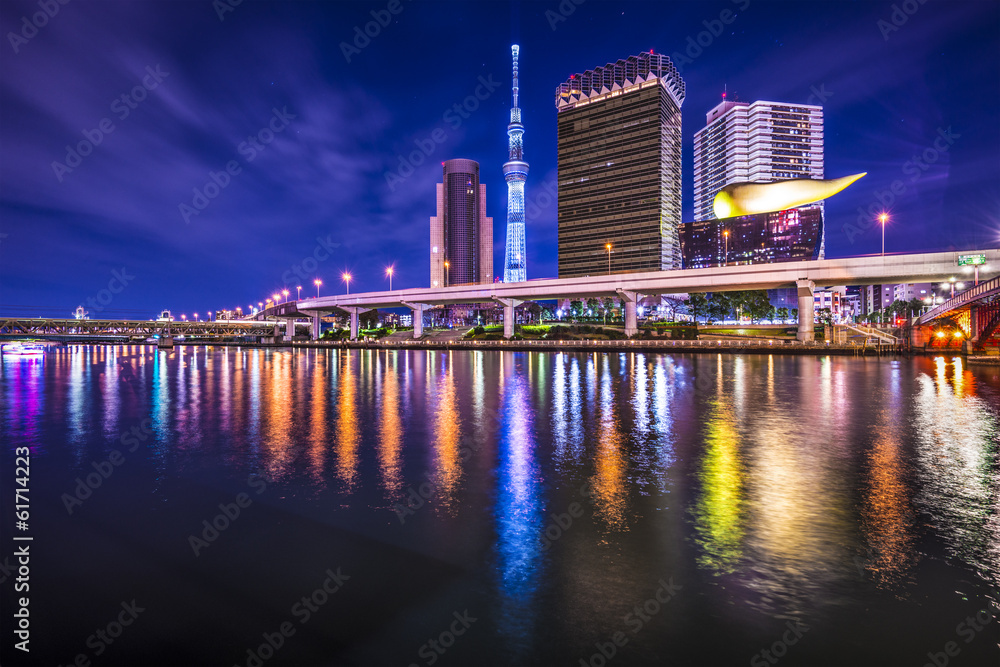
{"type": "Point", "coordinates": [619, 151]}
{"type": "Point", "coordinates": [763, 238]}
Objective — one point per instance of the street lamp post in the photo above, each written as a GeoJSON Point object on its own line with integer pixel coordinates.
{"type": "Point", "coordinates": [388, 272]}
{"type": "Point", "coordinates": [347, 279]}
{"type": "Point", "coordinates": [882, 218]}
{"type": "Point", "coordinates": [725, 255]}
{"type": "Point", "coordinates": [446, 265]}
{"type": "Point", "coordinates": [298, 293]}
{"type": "Point", "coordinates": [317, 283]}
{"type": "Point", "coordinates": [277, 298]}
{"type": "Point", "coordinates": [608, 246]}
{"type": "Point", "coordinates": [285, 292]}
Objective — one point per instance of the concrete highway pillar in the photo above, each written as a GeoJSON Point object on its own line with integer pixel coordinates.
{"type": "Point", "coordinates": [289, 329]}
{"type": "Point", "coordinates": [974, 324]}
{"type": "Point", "coordinates": [631, 322]}
{"type": "Point", "coordinates": [277, 329]}
{"type": "Point", "coordinates": [354, 323]}
{"type": "Point", "coordinates": [316, 326]}
{"type": "Point", "coordinates": [807, 310]}
{"type": "Point", "coordinates": [508, 315]}
{"type": "Point", "coordinates": [418, 317]}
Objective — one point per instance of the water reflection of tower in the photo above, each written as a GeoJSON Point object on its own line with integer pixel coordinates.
{"type": "Point", "coordinates": [515, 172]}
{"type": "Point", "coordinates": [518, 512]}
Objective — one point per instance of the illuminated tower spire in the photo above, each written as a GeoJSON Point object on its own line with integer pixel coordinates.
{"type": "Point", "coordinates": [515, 172]}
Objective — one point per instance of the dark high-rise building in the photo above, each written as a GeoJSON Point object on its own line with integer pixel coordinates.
{"type": "Point", "coordinates": [619, 149]}
{"type": "Point", "coordinates": [461, 232]}
{"type": "Point", "coordinates": [762, 238]}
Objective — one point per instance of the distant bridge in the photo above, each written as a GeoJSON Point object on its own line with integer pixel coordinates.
{"type": "Point", "coordinates": [630, 287]}
{"type": "Point", "coordinates": [21, 327]}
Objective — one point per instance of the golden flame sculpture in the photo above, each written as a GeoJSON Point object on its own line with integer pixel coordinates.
{"type": "Point", "coordinates": [749, 198]}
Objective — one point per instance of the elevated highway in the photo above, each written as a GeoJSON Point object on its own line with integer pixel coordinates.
{"type": "Point", "coordinates": [805, 276]}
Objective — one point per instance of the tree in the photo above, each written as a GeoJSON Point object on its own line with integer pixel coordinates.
{"type": "Point", "coordinates": [697, 304]}
{"type": "Point", "coordinates": [576, 308]}
{"type": "Point", "coordinates": [607, 305]}
{"type": "Point", "coordinates": [770, 313]}
{"type": "Point", "coordinates": [782, 313]}
{"type": "Point", "coordinates": [720, 304]}
{"type": "Point", "coordinates": [673, 306]}
{"type": "Point", "coordinates": [593, 306]}
{"type": "Point", "coordinates": [756, 304]}
{"type": "Point", "coordinates": [795, 314]}
{"type": "Point", "coordinates": [825, 316]}
{"type": "Point", "coordinates": [368, 319]}
{"type": "Point", "coordinates": [916, 306]}
{"type": "Point", "coordinates": [547, 314]}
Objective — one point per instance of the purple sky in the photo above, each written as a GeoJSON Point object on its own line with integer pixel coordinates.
{"type": "Point", "coordinates": [113, 220]}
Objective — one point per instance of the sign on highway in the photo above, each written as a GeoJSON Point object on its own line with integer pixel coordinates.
{"type": "Point", "coordinates": [971, 260]}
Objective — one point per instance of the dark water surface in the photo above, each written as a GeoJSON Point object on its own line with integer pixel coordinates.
{"type": "Point", "coordinates": [480, 508]}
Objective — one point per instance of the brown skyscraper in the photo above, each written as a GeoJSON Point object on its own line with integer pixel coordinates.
{"type": "Point", "coordinates": [461, 232]}
{"type": "Point", "coordinates": [619, 153]}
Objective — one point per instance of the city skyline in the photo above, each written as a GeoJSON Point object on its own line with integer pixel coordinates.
{"type": "Point", "coordinates": [260, 170]}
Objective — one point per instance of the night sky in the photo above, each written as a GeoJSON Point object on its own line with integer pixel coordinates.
{"type": "Point", "coordinates": [71, 226]}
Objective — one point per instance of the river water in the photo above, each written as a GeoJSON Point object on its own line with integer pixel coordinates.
{"type": "Point", "coordinates": [228, 506]}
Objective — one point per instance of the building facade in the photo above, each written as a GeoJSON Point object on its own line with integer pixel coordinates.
{"type": "Point", "coordinates": [762, 238]}
{"type": "Point", "coordinates": [461, 232]}
{"type": "Point", "coordinates": [619, 173]}
{"type": "Point", "coordinates": [760, 142]}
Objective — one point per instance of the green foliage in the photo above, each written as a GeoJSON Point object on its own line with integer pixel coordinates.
{"type": "Point", "coordinates": [697, 305]}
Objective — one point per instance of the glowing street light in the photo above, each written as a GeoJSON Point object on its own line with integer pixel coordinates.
{"type": "Point", "coordinates": [346, 277]}
{"type": "Point", "coordinates": [285, 292]}
{"type": "Point", "coordinates": [277, 298]}
{"type": "Point", "coordinates": [608, 246]}
{"type": "Point", "coordinates": [317, 283]}
{"type": "Point", "coordinates": [388, 272]}
{"type": "Point", "coordinates": [725, 256]}
{"type": "Point", "coordinates": [882, 218]}
{"type": "Point", "coordinates": [298, 294]}
{"type": "Point", "coordinates": [446, 265]}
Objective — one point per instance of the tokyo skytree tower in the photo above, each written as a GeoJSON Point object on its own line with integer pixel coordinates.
{"type": "Point", "coordinates": [515, 172]}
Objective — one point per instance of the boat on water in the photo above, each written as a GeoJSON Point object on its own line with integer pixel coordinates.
{"type": "Point", "coordinates": [24, 349]}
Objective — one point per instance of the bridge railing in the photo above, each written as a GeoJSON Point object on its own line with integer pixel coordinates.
{"type": "Point", "coordinates": [971, 294]}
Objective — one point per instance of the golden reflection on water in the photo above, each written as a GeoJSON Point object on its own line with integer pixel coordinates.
{"type": "Point", "coordinates": [447, 431]}
{"type": "Point", "coordinates": [390, 429]}
{"type": "Point", "coordinates": [886, 517]}
{"type": "Point", "coordinates": [348, 430]}
{"type": "Point", "coordinates": [319, 406]}
{"type": "Point", "coordinates": [608, 486]}
{"type": "Point", "coordinates": [719, 509]}
{"type": "Point", "coordinates": [278, 448]}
